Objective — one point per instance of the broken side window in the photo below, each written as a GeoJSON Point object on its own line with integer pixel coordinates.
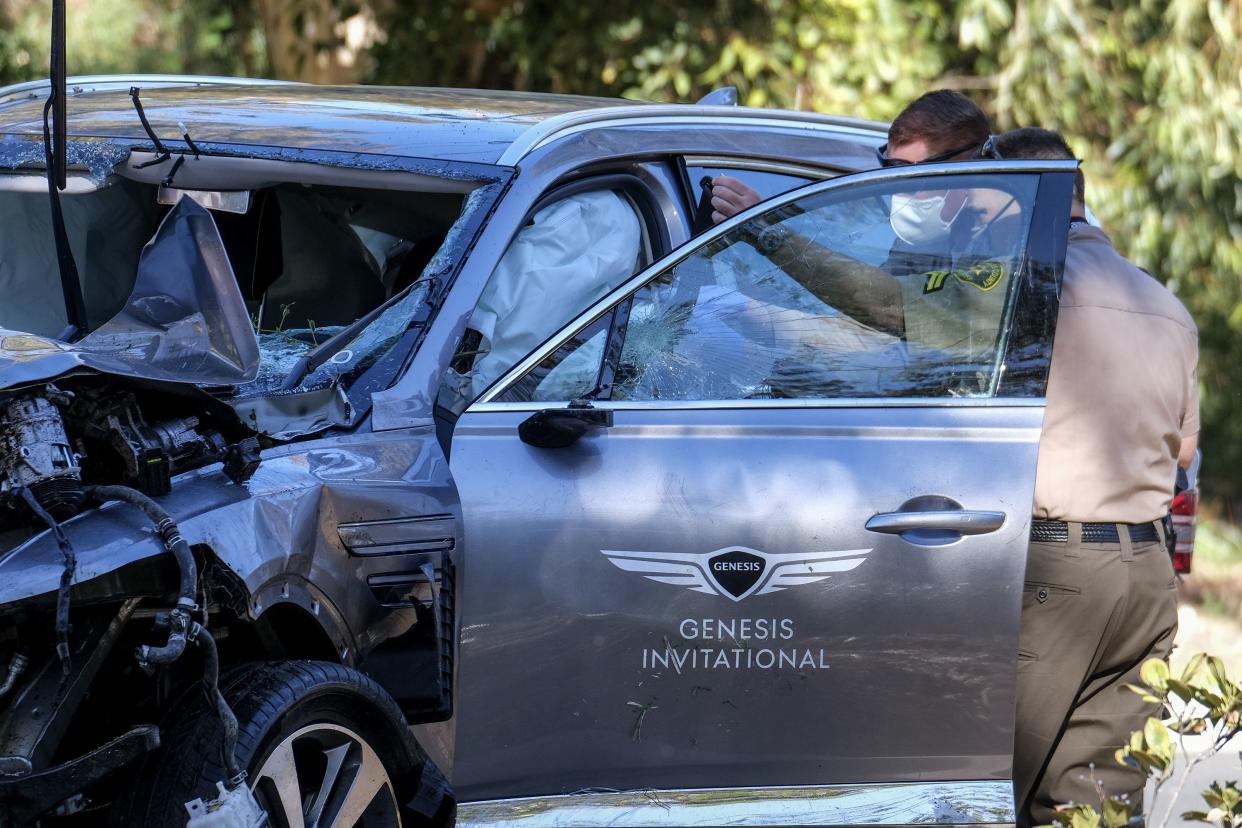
{"type": "Point", "coordinates": [879, 290]}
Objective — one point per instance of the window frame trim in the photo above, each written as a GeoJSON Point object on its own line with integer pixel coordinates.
{"type": "Point", "coordinates": [637, 191]}
{"type": "Point", "coordinates": [607, 303]}
{"type": "Point", "coordinates": [785, 403]}
{"type": "Point", "coordinates": [814, 174]}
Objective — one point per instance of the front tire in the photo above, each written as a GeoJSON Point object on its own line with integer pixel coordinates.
{"type": "Point", "coordinates": [322, 745]}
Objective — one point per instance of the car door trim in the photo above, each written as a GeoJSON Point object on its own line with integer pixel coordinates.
{"type": "Point", "coordinates": [944, 803]}
{"type": "Point", "coordinates": [606, 304]}
{"type": "Point", "coordinates": [716, 405]}
{"type": "Point", "coordinates": [732, 162]}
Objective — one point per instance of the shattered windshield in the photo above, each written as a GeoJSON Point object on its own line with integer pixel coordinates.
{"type": "Point", "coordinates": [283, 289]}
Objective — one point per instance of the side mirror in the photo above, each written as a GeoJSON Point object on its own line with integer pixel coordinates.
{"type": "Point", "coordinates": [562, 427]}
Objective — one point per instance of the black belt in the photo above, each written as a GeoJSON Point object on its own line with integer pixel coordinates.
{"type": "Point", "coordinates": [1056, 531]}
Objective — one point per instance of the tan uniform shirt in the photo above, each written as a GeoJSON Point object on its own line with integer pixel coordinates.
{"type": "Point", "coordinates": [1122, 391]}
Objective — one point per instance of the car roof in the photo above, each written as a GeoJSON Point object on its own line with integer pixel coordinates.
{"type": "Point", "coordinates": [482, 126]}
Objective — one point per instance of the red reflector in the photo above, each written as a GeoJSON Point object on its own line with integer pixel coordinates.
{"type": "Point", "coordinates": [1184, 507]}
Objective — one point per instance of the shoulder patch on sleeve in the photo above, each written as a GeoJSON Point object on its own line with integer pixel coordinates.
{"type": "Point", "coordinates": [984, 275]}
{"type": "Point", "coordinates": [935, 280]}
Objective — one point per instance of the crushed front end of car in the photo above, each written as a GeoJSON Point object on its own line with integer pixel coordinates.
{"type": "Point", "coordinates": [183, 485]}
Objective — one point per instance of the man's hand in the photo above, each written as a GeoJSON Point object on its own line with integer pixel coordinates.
{"type": "Point", "coordinates": [730, 197]}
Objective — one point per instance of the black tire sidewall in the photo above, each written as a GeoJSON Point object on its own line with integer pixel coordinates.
{"type": "Point", "coordinates": [271, 701]}
{"type": "Point", "coordinates": [333, 706]}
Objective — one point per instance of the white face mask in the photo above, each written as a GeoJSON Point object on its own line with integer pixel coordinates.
{"type": "Point", "coordinates": [917, 221]}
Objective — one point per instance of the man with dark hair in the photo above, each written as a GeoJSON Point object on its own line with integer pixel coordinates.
{"type": "Point", "coordinates": [940, 126]}
{"type": "Point", "coordinates": [893, 298]}
{"type": "Point", "coordinates": [944, 125]}
{"type": "Point", "coordinates": [1036, 143]}
{"type": "Point", "coordinates": [1100, 598]}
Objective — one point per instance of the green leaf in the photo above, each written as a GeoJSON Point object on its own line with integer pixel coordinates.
{"type": "Point", "coordinates": [1147, 761]}
{"type": "Point", "coordinates": [1084, 816]}
{"type": "Point", "coordinates": [1157, 738]}
{"type": "Point", "coordinates": [1190, 726]}
{"type": "Point", "coordinates": [1115, 813]}
{"type": "Point", "coordinates": [1144, 692]}
{"type": "Point", "coordinates": [1181, 689]}
{"type": "Point", "coordinates": [1193, 666]}
{"type": "Point", "coordinates": [1155, 674]}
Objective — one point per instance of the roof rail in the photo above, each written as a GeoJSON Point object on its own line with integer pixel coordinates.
{"type": "Point", "coordinates": [569, 123]}
{"type": "Point", "coordinates": [81, 84]}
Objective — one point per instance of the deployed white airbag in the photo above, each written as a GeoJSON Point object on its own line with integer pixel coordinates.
{"type": "Point", "coordinates": [571, 254]}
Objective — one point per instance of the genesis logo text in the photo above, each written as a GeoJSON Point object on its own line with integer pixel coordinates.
{"type": "Point", "coordinates": [737, 572]}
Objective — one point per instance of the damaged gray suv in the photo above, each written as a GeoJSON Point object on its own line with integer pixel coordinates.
{"type": "Point", "coordinates": [379, 456]}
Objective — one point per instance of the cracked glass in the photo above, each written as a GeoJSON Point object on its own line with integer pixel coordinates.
{"type": "Point", "coordinates": [899, 288]}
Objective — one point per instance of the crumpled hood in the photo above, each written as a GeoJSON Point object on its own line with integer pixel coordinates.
{"type": "Point", "coordinates": [184, 322]}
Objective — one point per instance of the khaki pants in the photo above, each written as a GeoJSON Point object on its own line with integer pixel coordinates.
{"type": "Point", "coordinates": [1092, 613]}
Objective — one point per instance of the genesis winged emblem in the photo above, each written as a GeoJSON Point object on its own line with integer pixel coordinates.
{"type": "Point", "coordinates": [737, 572]}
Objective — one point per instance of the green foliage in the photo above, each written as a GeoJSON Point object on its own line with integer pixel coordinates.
{"type": "Point", "coordinates": [1224, 803]}
{"type": "Point", "coordinates": [110, 36]}
{"type": "Point", "coordinates": [1202, 699]}
{"type": "Point", "coordinates": [1149, 93]}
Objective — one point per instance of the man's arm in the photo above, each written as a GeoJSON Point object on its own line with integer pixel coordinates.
{"type": "Point", "coordinates": [866, 293]}
{"type": "Point", "coordinates": [1186, 455]}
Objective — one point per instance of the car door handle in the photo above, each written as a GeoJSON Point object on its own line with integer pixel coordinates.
{"type": "Point", "coordinates": [961, 521]}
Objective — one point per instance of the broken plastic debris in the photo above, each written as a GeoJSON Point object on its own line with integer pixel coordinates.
{"type": "Point", "coordinates": [236, 808]}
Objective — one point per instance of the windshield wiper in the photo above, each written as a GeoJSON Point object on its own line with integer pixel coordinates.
{"type": "Point", "coordinates": [313, 359]}
{"type": "Point", "coordinates": [55, 141]}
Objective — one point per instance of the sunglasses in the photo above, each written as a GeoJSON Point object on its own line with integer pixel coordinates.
{"type": "Point", "coordinates": [989, 151]}
{"type": "Point", "coordinates": [888, 161]}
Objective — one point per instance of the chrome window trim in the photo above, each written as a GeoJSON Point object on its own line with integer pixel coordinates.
{"type": "Point", "coordinates": [571, 123]}
{"type": "Point", "coordinates": [921, 803]}
{"type": "Point", "coordinates": [742, 405]}
{"type": "Point", "coordinates": [761, 165]}
{"type": "Point", "coordinates": [685, 251]}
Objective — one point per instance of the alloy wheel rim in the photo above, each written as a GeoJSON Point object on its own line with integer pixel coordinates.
{"type": "Point", "coordinates": [326, 776]}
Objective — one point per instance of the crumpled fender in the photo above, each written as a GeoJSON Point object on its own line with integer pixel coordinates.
{"type": "Point", "coordinates": [277, 532]}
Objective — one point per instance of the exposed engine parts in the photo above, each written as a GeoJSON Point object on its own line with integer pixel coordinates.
{"type": "Point", "coordinates": [148, 453]}
{"type": "Point", "coordinates": [36, 454]}
{"type": "Point", "coordinates": [179, 619]}
{"type": "Point", "coordinates": [182, 628]}
{"type": "Point", "coordinates": [17, 666]}
{"type": "Point", "coordinates": [179, 626]}
{"type": "Point", "coordinates": [54, 442]}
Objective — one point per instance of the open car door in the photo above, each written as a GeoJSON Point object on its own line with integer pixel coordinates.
{"type": "Point", "coordinates": [748, 537]}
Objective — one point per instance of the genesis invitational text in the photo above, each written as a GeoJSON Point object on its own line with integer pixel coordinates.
{"type": "Point", "coordinates": [734, 644]}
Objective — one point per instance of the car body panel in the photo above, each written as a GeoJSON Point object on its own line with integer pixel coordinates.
{"type": "Point", "coordinates": [911, 655]}
{"type": "Point", "coordinates": [184, 322]}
